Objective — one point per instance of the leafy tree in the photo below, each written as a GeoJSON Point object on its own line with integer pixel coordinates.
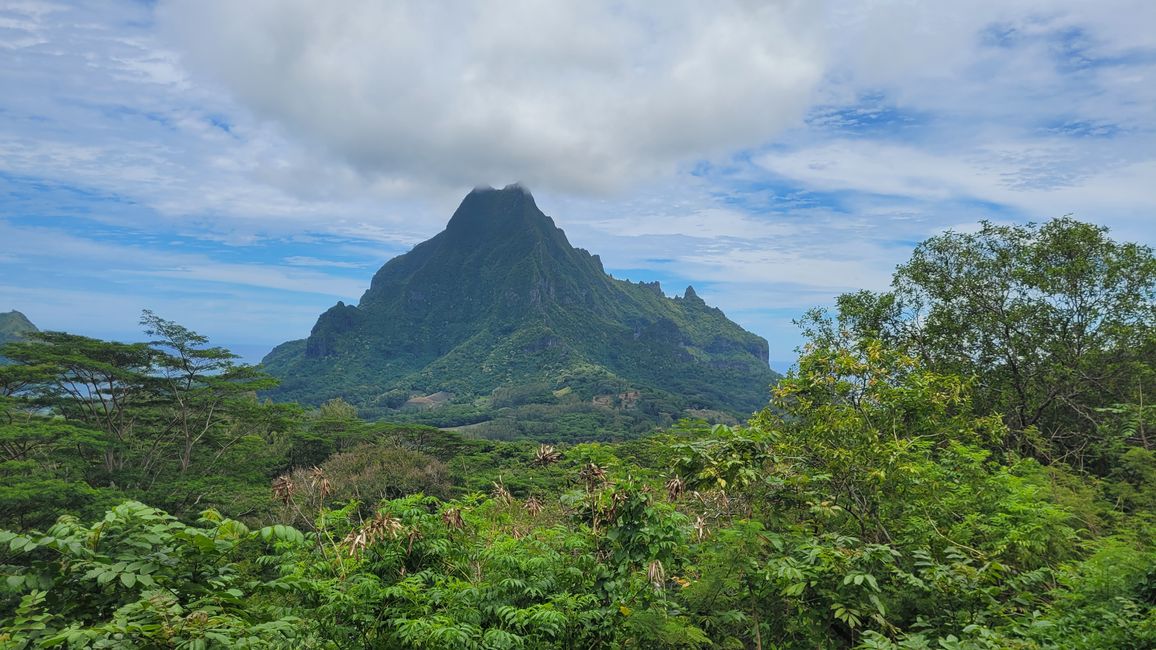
{"type": "Point", "coordinates": [42, 469]}
{"type": "Point", "coordinates": [195, 386]}
{"type": "Point", "coordinates": [332, 427]}
{"type": "Point", "coordinates": [81, 417]}
{"type": "Point", "coordinates": [367, 474]}
{"type": "Point", "coordinates": [1053, 321]}
{"type": "Point", "coordinates": [102, 384]}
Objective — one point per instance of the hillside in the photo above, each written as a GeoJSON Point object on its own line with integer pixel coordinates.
{"type": "Point", "coordinates": [499, 310]}
{"type": "Point", "coordinates": [14, 326]}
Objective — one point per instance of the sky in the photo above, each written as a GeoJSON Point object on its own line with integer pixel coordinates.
{"type": "Point", "coordinates": [239, 167]}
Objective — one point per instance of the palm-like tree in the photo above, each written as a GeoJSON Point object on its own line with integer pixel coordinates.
{"type": "Point", "coordinates": [546, 455]}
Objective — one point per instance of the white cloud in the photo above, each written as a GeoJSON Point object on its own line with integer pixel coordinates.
{"type": "Point", "coordinates": [1042, 178]}
{"type": "Point", "coordinates": [574, 95]}
{"type": "Point", "coordinates": [113, 313]}
{"type": "Point", "coordinates": [54, 252]}
{"type": "Point", "coordinates": [304, 260]}
{"type": "Point", "coordinates": [816, 269]}
{"type": "Point", "coordinates": [707, 223]}
{"type": "Point", "coordinates": [1006, 59]}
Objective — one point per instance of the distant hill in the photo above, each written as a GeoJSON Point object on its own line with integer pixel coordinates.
{"type": "Point", "coordinates": [499, 311]}
{"type": "Point", "coordinates": [14, 326]}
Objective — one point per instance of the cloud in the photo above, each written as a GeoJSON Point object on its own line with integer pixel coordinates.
{"type": "Point", "coordinates": [95, 283]}
{"type": "Point", "coordinates": [707, 223]}
{"type": "Point", "coordinates": [1041, 178]}
{"type": "Point", "coordinates": [52, 252]}
{"type": "Point", "coordinates": [1005, 59]}
{"type": "Point", "coordinates": [113, 313]}
{"type": "Point", "coordinates": [304, 260]}
{"type": "Point", "coordinates": [574, 95]}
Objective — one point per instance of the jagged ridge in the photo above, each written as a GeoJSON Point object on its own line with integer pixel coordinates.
{"type": "Point", "coordinates": [500, 299]}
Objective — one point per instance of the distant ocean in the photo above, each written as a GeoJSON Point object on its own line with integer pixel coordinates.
{"type": "Point", "coordinates": [249, 352]}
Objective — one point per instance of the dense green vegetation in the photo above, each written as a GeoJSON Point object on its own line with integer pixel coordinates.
{"type": "Point", "coordinates": [499, 312]}
{"type": "Point", "coordinates": [1053, 322]}
{"type": "Point", "coordinates": [896, 492]}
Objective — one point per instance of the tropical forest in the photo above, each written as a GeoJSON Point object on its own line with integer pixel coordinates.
{"type": "Point", "coordinates": [963, 461]}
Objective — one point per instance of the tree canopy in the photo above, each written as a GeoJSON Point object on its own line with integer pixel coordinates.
{"type": "Point", "coordinates": [1052, 322]}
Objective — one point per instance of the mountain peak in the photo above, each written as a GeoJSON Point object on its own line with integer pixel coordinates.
{"type": "Point", "coordinates": [501, 300]}
{"type": "Point", "coordinates": [486, 209]}
{"type": "Point", "coordinates": [14, 326]}
{"type": "Point", "coordinates": [16, 318]}
{"type": "Point", "coordinates": [512, 188]}
{"type": "Point", "coordinates": [510, 194]}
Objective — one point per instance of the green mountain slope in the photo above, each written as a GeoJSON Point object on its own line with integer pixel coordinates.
{"type": "Point", "coordinates": [500, 309]}
{"type": "Point", "coordinates": [14, 326]}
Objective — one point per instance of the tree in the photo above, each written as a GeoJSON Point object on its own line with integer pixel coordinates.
{"type": "Point", "coordinates": [97, 383]}
{"type": "Point", "coordinates": [332, 427]}
{"type": "Point", "coordinates": [1053, 321]}
{"type": "Point", "coordinates": [80, 415]}
{"type": "Point", "coordinates": [42, 469]}
{"type": "Point", "coordinates": [197, 385]}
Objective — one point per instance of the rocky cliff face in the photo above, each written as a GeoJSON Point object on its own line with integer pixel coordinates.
{"type": "Point", "coordinates": [500, 299]}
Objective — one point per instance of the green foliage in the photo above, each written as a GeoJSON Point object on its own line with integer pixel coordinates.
{"type": "Point", "coordinates": [1055, 321]}
{"type": "Point", "coordinates": [139, 578]}
{"type": "Point", "coordinates": [85, 423]}
{"type": "Point", "coordinates": [882, 500]}
{"type": "Point", "coordinates": [366, 474]}
{"type": "Point", "coordinates": [1135, 485]}
{"type": "Point", "coordinates": [42, 471]}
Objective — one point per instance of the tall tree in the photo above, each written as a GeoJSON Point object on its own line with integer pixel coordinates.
{"type": "Point", "coordinates": [101, 384]}
{"type": "Point", "coordinates": [198, 386]}
{"type": "Point", "coordinates": [1053, 321]}
{"type": "Point", "coordinates": [154, 419]}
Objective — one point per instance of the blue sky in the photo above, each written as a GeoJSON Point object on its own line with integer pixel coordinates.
{"type": "Point", "coordinates": [240, 166]}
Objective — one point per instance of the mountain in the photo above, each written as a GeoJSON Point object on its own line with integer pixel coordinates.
{"type": "Point", "coordinates": [14, 326]}
{"type": "Point", "coordinates": [499, 310]}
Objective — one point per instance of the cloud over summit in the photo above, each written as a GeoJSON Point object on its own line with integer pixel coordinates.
{"type": "Point", "coordinates": [573, 96]}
